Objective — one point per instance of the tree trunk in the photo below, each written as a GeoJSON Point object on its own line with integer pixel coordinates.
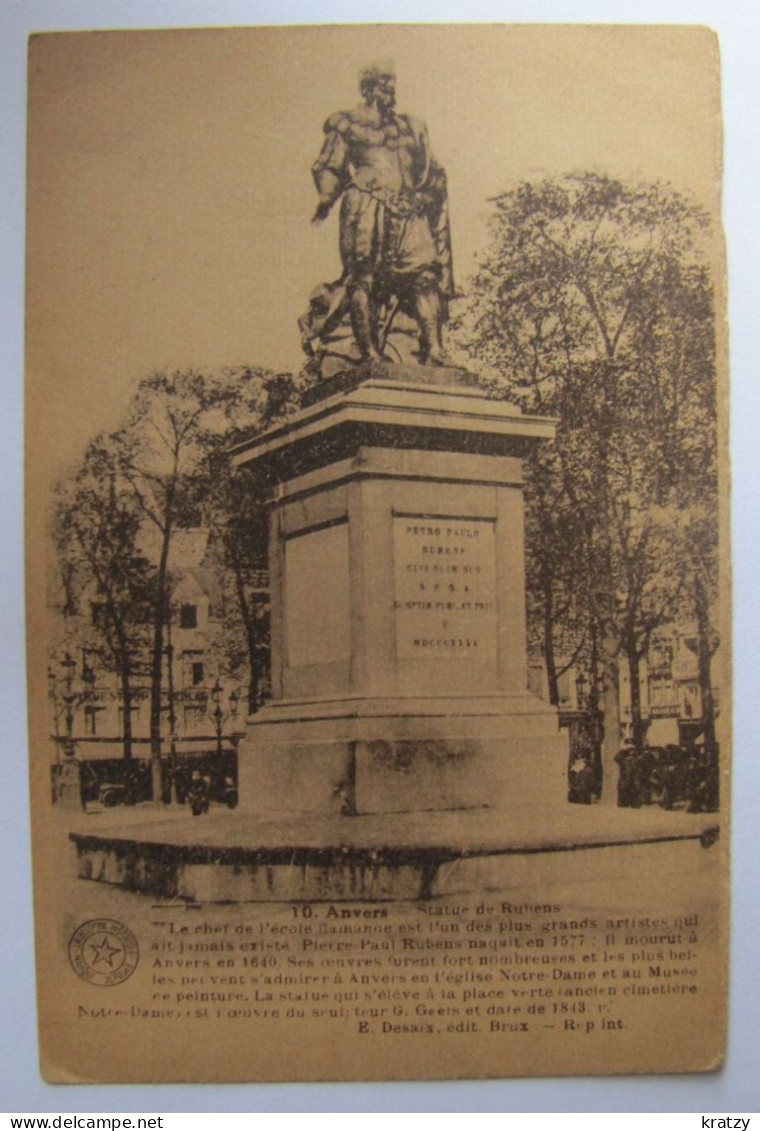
{"type": "Point", "coordinates": [251, 635]}
{"type": "Point", "coordinates": [704, 656]}
{"type": "Point", "coordinates": [638, 727]}
{"type": "Point", "coordinates": [126, 698]}
{"type": "Point", "coordinates": [156, 662]}
{"type": "Point", "coordinates": [595, 723]}
{"type": "Point", "coordinates": [611, 717]}
{"type": "Point", "coordinates": [549, 657]}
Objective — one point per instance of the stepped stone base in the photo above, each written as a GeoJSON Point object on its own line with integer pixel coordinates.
{"type": "Point", "coordinates": [371, 756]}
{"type": "Point", "coordinates": [226, 857]}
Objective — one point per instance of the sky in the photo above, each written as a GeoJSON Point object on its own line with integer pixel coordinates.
{"type": "Point", "coordinates": [170, 192]}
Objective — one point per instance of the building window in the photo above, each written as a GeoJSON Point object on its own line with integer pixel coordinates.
{"type": "Point", "coordinates": [194, 716]}
{"type": "Point", "coordinates": [91, 721]}
{"type": "Point", "coordinates": [188, 616]}
{"type": "Point", "coordinates": [663, 697]}
{"type": "Point", "coordinates": [661, 660]}
{"type": "Point", "coordinates": [196, 671]}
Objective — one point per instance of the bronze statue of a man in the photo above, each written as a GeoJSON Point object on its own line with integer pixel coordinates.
{"type": "Point", "coordinates": [394, 231]}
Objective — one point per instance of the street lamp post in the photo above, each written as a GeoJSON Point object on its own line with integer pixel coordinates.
{"type": "Point", "coordinates": [68, 786]}
{"type": "Point", "coordinates": [219, 715]}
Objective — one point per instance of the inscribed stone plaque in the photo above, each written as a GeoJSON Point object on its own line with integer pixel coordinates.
{"type": "Point", "coordinates": [445, 588]}
{"type": "Point", "coordinates": [316, 611]}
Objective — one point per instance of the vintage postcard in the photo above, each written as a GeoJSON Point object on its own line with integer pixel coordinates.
{"type": "Point", "coordinates": [377, 552]}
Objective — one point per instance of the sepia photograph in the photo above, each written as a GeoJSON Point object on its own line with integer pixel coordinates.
{"type": "Point", "coordinates": [378, 558]}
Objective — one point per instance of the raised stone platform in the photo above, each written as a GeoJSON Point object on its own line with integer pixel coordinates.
{"type": "Point", "coordinates": [226, 857]}
{"type": "Point", "coordinates": [344, 380]}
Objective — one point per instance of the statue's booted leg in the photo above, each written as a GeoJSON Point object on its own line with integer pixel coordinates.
{"type": "Point", "coordinates": [427, 308]}
{"type": "Point", "coordinates": [362, 318]}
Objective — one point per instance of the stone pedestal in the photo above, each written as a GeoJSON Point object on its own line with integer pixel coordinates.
{"type": "Point", "coordinates": [398, 605]}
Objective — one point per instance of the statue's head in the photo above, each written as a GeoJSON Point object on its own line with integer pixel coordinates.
{"type": "Point", "coordinates": [377, 83]}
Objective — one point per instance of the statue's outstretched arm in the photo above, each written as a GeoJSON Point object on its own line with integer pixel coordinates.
{"type": "Point", "coordinates": [330, 170]}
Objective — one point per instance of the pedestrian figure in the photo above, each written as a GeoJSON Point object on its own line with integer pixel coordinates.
{"type": "Point", "coordinates": [198, 793]}
{"type": "Point", "coordinates": [629, 788]}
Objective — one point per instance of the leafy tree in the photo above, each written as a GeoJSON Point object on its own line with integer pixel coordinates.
{"type": "Point", "coordinates": [164, 470]}
{"type": "Point", "coordinates": [160, 452]}
{"type": "Point", "coordinates": [96, 532]}
{"type": "Point", "coordinates": [234, 509]}
{"type": "Point", "coordinates": [593, 303]}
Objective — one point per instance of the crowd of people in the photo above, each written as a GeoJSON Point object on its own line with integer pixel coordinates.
{"type": "Point", "coordinates": [668, 775]}
{"type": "Point", "coordinates": [683, 776]}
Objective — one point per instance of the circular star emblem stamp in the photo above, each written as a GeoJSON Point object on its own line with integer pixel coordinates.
{"type": "Point", "coordinates": [103, 952]}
